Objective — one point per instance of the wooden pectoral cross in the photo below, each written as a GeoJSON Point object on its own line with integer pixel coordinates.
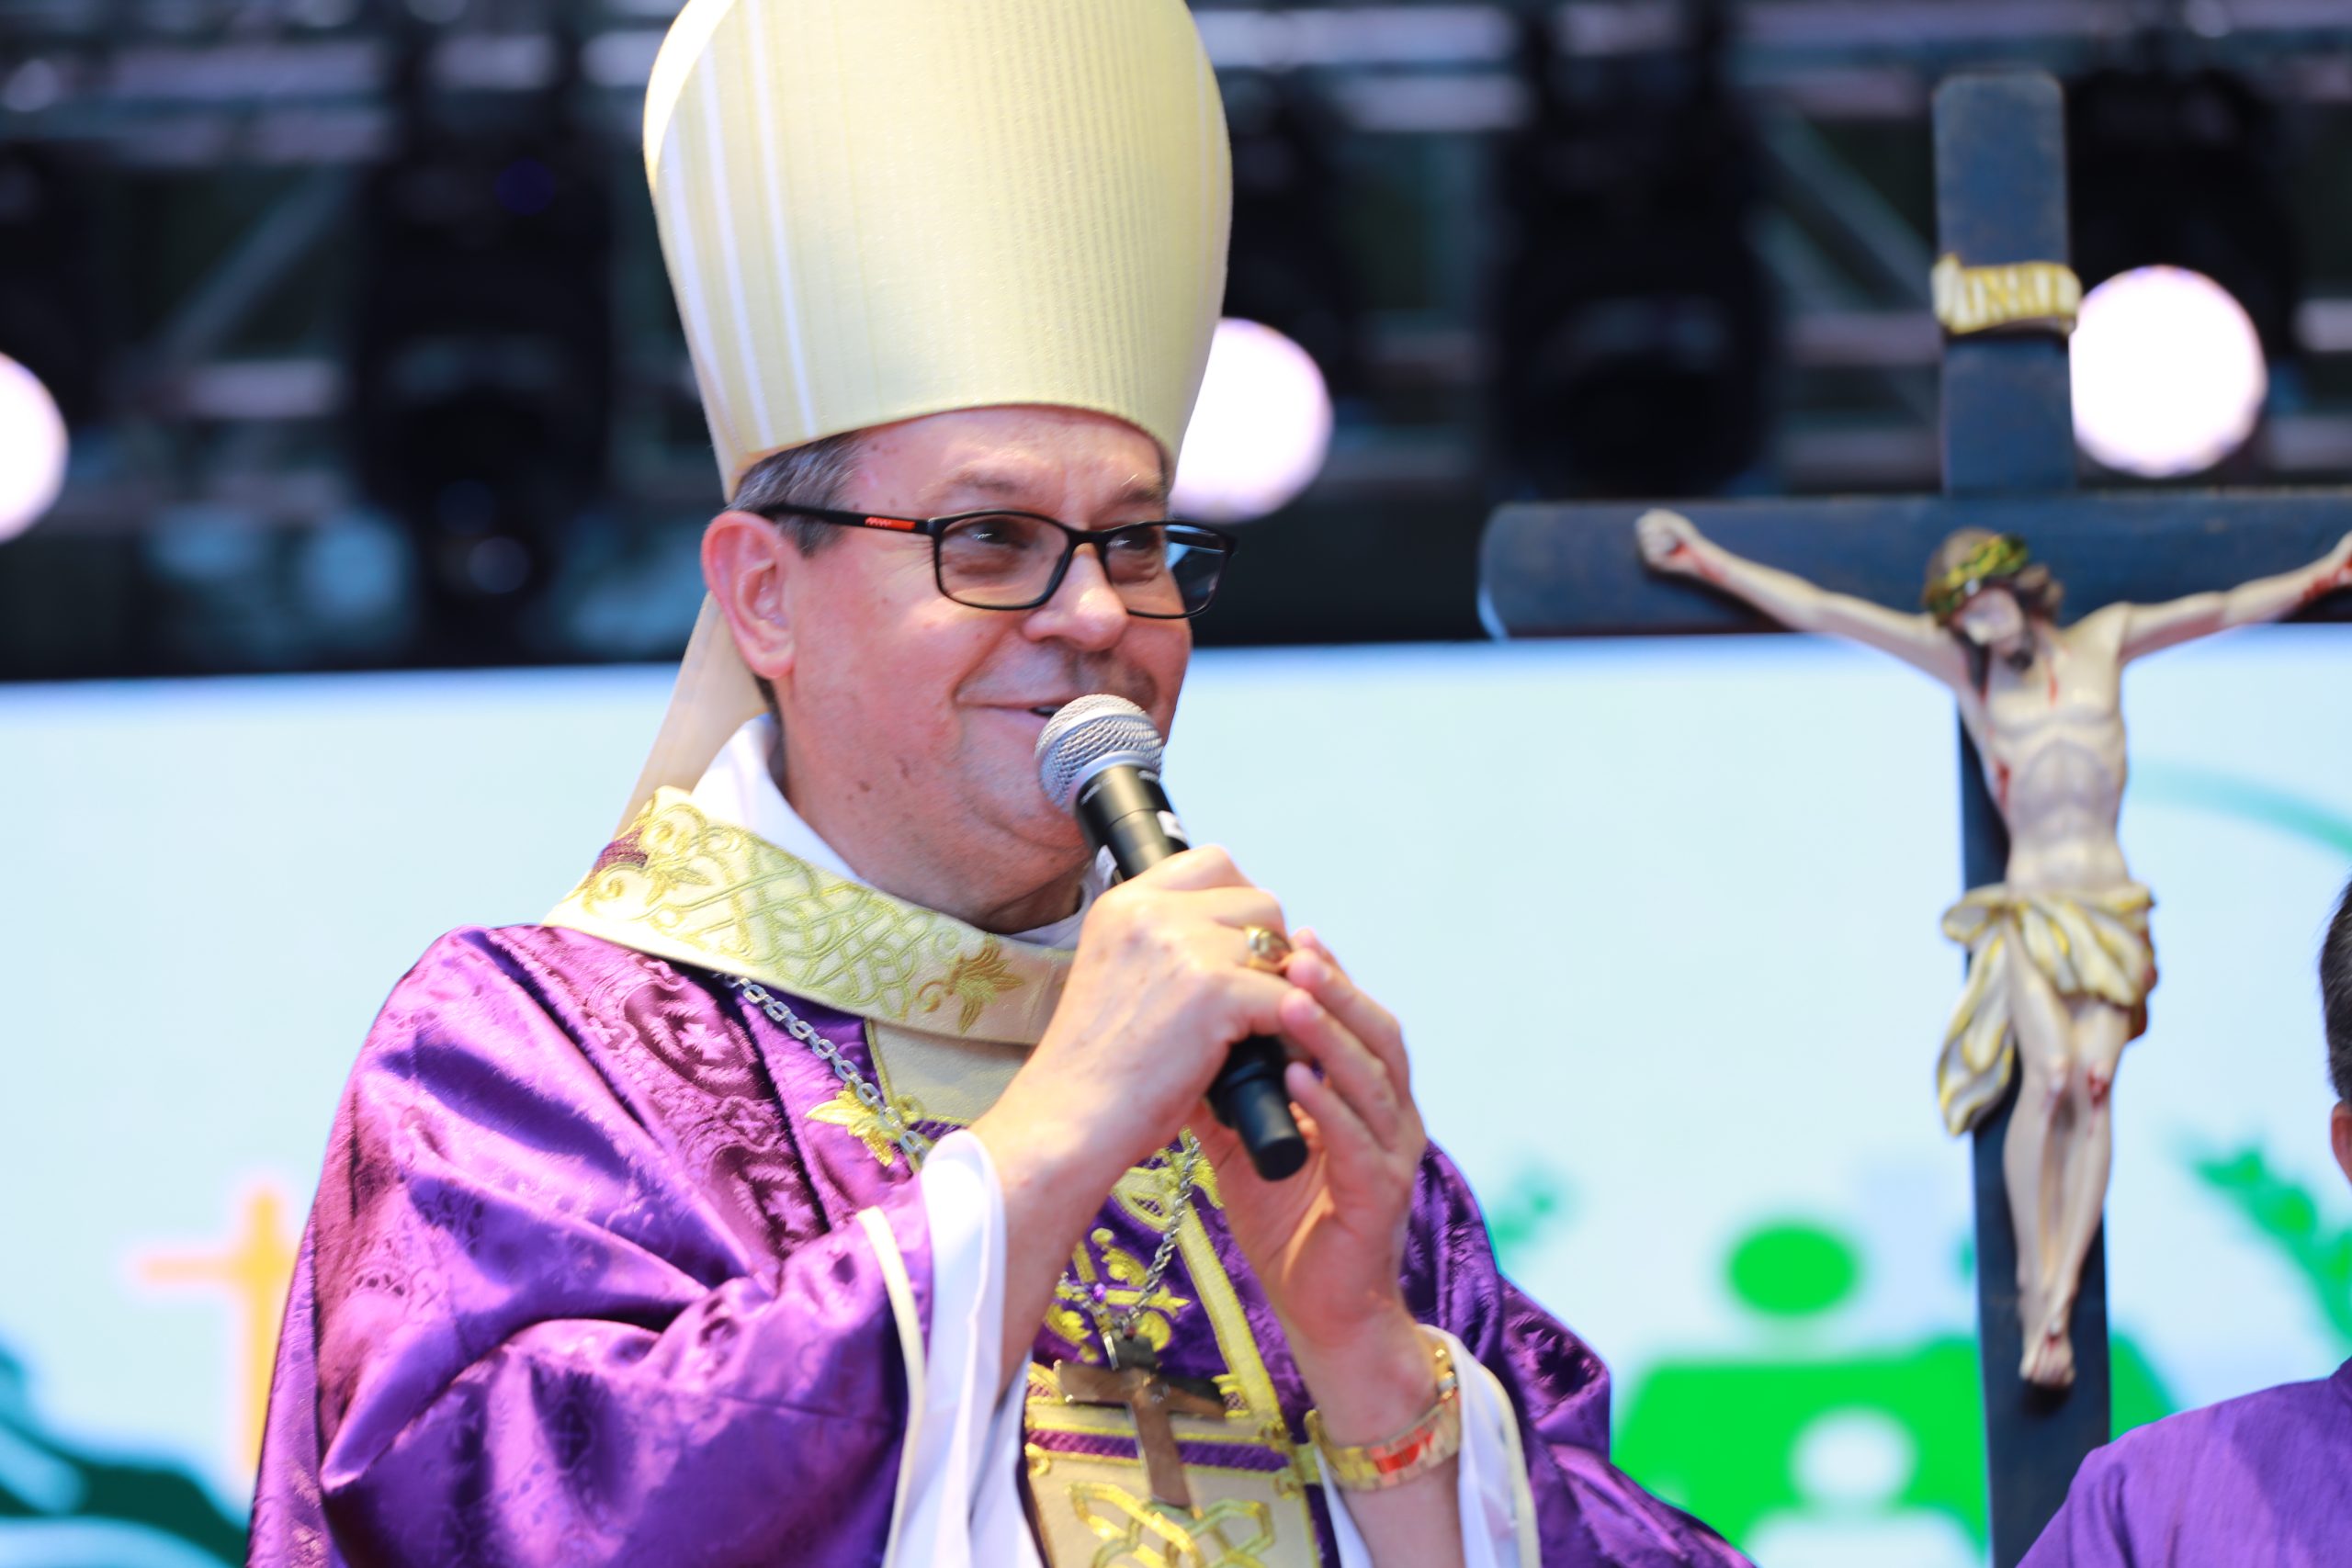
{"type": "Point", "coordinates": [1133, 1379]}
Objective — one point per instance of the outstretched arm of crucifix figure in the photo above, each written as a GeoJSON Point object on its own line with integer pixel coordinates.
{"type": "Point", "coordinates": [2151, 628]}
{"type": "Point", "coordinates": [1672, 543]}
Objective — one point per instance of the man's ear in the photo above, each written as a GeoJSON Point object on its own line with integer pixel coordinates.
{"type": "Point", "coordinates": [748, 565]}
{"type": "Point", "coordinates": [2339, 1129]}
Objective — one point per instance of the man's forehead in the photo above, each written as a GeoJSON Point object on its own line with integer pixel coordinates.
{"type": "Point", "coordinates": [1069, 462]}
{"type": "Point", "coordinates": [1025, 481]}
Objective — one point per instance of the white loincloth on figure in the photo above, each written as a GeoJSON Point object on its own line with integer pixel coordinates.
{"type": "Point", "coordinates": [2085, 944]}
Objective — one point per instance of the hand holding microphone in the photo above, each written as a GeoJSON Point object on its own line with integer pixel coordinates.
{"type": "Point", "coordinates": [1162, 982]}
{"type": "Point", "coordinates": [1099, 759]}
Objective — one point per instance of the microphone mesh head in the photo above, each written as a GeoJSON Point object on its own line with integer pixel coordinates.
{"type": "Point", "coordinates": [1089, 734]}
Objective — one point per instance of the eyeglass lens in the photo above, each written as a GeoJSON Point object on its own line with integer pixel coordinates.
{"type": "Point", "coordinates": [1008, 563]}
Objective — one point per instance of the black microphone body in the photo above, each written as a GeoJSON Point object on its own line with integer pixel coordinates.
{"type": "Point", "coordinates": [1126, 816]}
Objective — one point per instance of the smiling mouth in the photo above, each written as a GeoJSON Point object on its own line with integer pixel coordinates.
{"type": "Point", "coordinates": [1047, 709]}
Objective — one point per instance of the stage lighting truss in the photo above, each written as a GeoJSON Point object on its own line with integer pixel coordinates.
{"type": "Point", "coordinates": [1633, 322]}
{"type": "Point", "coordinates": [1290, 268]}
{"type": "Point", "coordinates": [483, 364]}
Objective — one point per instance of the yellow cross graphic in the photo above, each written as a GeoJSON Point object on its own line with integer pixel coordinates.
{"type": "Point", "coordinates": [253, 1270]}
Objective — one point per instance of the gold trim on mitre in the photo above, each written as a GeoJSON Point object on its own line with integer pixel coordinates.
{"type": "Point", "coordinates": [682, 885]}
{"type": "Point", "coordinates": [877, 209]}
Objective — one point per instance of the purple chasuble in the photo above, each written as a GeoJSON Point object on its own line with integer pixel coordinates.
{"type": "Point", "coordinates": [2264, 1479]}
{"type": "Point", "coordinates": [584, 1284]}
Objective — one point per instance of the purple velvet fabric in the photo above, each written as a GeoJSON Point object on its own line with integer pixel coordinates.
{"type": "Point", "coordinates": [583, 1285]}
{"type": "Point", "coordinates": [2264, 1479]}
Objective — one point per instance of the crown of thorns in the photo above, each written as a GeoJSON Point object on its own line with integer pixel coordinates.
{"type": "Point", "coordinates": [1999, 559]}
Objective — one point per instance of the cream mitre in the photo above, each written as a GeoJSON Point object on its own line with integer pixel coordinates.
{"type": "Point", "coordinates": [876, 209]}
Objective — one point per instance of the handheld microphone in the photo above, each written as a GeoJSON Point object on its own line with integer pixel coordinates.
{"type": "Point", "coordinates": [1099, 760]}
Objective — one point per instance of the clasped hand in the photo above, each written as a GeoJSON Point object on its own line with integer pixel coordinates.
{"type": "Point", "coordinates": [1158, 994]}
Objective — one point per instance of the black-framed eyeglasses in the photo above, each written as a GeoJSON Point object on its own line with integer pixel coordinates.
{"type": "Point", "coordinates": [1016, 561]}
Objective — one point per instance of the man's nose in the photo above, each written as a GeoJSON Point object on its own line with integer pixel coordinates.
{"type": "Point", "coordinates": [1085, 610]}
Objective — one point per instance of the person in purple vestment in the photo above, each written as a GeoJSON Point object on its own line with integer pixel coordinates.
{"type": "Point", "coordinates": [2263, 1479]}
{"type": "Point", "coordinates": [827, 1182]}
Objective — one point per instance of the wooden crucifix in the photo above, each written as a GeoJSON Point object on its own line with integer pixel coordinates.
{"type": "Point", "coordinates": [1133, 1377]}
{"type": "Point", "coordinates": [2010, 467]}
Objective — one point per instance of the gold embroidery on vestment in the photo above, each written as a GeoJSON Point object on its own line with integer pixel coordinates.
{"type": "Point", "coordinates": [974, 980]}
{"type": "Point", "coordinates": [1120, 1274]}
{"type": "Point", "coordinates": [682, 885]}
{"type": "Point", "coordinates": [846, 1111]}
{"type": "Point", "coordinates": [1140, 1534]}
{"type": "Point", "coordinates": [1254, 1421]}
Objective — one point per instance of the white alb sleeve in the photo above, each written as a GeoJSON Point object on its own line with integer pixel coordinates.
{"type": "Point", "coordinates": [1497, 1506]}
{"type": "Point", "coordinates": [962, 1494]}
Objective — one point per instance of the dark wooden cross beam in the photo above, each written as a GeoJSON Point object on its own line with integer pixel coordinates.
{"type": "Point", "coordinates": [2008, 450]}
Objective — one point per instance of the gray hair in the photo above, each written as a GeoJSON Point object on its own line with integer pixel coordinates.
{"type": "Point", "coordinates": [2336, 996]}
{"type": "Point", "coordinates": [811, 475]}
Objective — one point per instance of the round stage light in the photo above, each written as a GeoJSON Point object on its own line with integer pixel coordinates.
{"type": "Point", "coordinates": [32, 449]}
{"type": "Point", "coordinates": [2168, 372]}
{"type": "Point", "coordinates": [1261, 429]}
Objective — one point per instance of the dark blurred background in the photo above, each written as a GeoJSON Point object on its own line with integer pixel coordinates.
{"type": "Point", "coordinates": [356, 316]}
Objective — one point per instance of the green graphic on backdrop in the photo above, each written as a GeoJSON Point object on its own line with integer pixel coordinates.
{"type": "Point", "coordinates": [1534, 1203]}
{"type": "Point", "coordinates": [1794, 1270]}
{"type": "Point", "coordinates": [60, 1505]}
{"type": "Point", "coordinates": [2163, 782]}
{"type": "Point", "coordinates": [1725, 1436]}
{"type": "Point", "coordinates": [2286, 1213]}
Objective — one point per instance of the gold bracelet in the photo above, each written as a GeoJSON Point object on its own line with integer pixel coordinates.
{"type": "Point", "coordinates": [1411, 1453]}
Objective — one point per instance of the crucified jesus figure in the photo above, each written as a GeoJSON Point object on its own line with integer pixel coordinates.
{"type": "Point", "coordinates": [2059, 960]}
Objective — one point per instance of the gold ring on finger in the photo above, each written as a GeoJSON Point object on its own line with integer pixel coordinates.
{"type": "Point", "coordinates": [1267, 949]}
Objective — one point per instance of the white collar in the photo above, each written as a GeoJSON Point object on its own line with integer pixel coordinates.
{"type": "Point", "coordinates": [739, 789]}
